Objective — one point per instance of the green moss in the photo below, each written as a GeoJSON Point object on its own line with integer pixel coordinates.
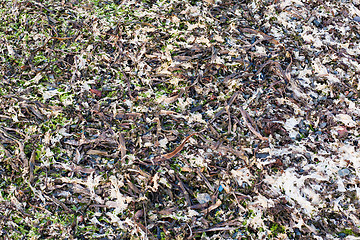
{"type": "Point", "coordinates": [276, 229]}
{"type": "Point", "coordinates": [349, 232]}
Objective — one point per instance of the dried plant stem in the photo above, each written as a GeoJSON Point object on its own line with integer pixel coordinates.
{"type": "Point", "coordinates": [245, 117]}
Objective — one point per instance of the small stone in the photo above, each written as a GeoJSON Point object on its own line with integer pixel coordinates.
{"type": "Point", "coordinates": [342, 235]}
{"type": "Point", "coordinates": [297, 232]}
{"type": "Point", "coordinates": [343, 172]}
{"type": "Point", "coordinates": [317, 23]}
{"type": "Point", "coordinates": [322, 98]}
{"type": "Point", "coordinates": [203, 198]}
{"type": "Point", "coordinates": [304, 132]}
{"type": "Point", "coordinates": [357, 19]}
{"type": "Point", "coordinates": [322, 125]}
{"type": "Point", "coordinates": [262, 155]}
{"type": "Point", "coordinates": [253, 39]}
{"type": "Point", "coordinates": [350, 94]}
{"type": "Point", "coordinates": [302, 124]}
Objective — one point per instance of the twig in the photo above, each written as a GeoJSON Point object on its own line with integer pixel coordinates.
{"type": "Point", "coordinates": [191, 233]}
{"type": "Point", "coordinates": [226, 108]}
{"type": "Point", "coordinates": [182, 186]}
{"type": "Point", "coordinates": [251, 128]}
{"type": "Point", "coordinates": [205, 180]}
{"type": "Point", "coordinates": [216, 229]}
{"type": "Point", "coordinates": [146, 229]}
{"type": "Point", "coordinates": [128, 85]}
{"type": "Point", "coordinates": [178, 149]}
{"type": "Point", "coordinates": [212, 207]}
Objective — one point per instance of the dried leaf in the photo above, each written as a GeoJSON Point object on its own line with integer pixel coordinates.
{"type": "Point", "coordinates": [178, 149]}
{"type": "Point", "coordinates": [96, 92]}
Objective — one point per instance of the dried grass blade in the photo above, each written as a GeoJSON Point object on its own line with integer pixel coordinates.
{"type": "Point", "coordinates": [252, 129]}
{"type": "Point", "coordinates": [122, 146]}
{"type": "Point", "coordinates": [178, 149]}
{"type": "Point", "coordinates": [212, 207]}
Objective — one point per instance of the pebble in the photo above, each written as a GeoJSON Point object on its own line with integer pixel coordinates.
{"type": "Point", "coordinates": [323, 98]}
{"type": "Point", "coordinates": [262, 155]}
{"type": "Point", "coordinates": [322, 125]}
{"type": "Point", "coordinates": [253, 39]}
{"type": "Point", "coordinates": [302, 124]}
{"type": "Point", "coordinates": [350, 94]}
{"type": "Point", "coordinates": [317, 23]}
{"type": "Point", "coordinates": [203, 198]}
{"type": "Point", "coordinates": [357, 19]}
{"type": "Point", "coordinates": [342, 235]}
{"type": "Point", "coordinates": [297, 232]}
{"type": "Point", "coordinates": [304, 132]}
{"type": "Point", "coordinates": [343, 172]}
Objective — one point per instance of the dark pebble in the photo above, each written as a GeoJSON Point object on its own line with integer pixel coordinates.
{"type": "Point", "coordinates": [317, 23]}
{"type": "Point", "coordinates": [106, 88]}
{"type": "Point", "coordinates": [223, 19]}
{"type": "Point", "coordinates": [297, 232]}
{"type": "Point", "coordinates": [262, 155]}
{"type": "Point", "coordinates": [322, 98]}
{"type": "Point", "coordinates": [50, 88]}
{"type": "Point", "coordinates": [342, 235]}
{"type": "Point", "coordinates": [253, 40]}
{"type": "Point", "coordinates": [357, 19]}
{"type": "Point", "coordinates": [195, 109]}
{"type": "Point", "coordinates": [301, 124]}
{"type": "Point", "coordinates": [304, 132]}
